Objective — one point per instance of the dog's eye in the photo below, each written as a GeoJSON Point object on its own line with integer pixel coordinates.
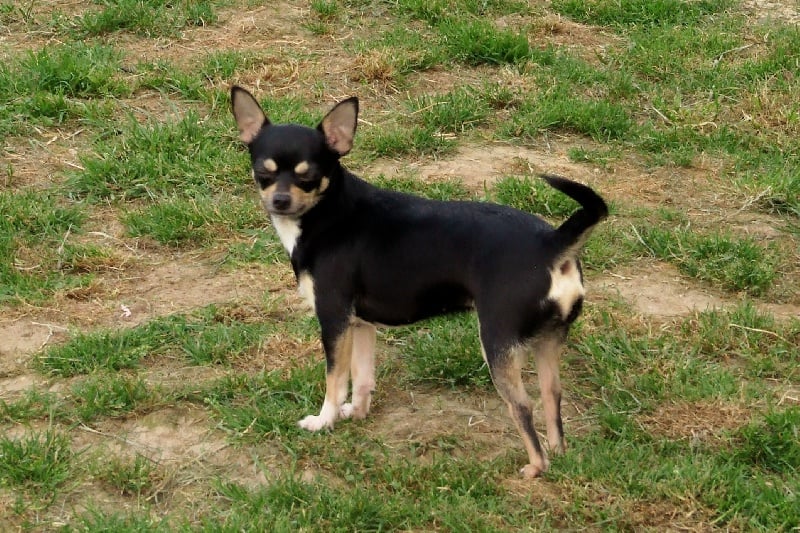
{"type": "Point", "coordinates": [264, 178]}
{"type": "Point", "coordinates": [307, 177]}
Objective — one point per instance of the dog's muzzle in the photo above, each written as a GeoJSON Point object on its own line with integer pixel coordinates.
{"type": "Point", "coordinates": [281, 202]}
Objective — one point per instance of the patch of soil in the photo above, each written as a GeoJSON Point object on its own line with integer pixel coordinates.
{"type": "Point", "coordinates": [422, 418]}
{"type": "Point", "coordinates": [661, 291]}
{"type": "Point", "coordinates": [765, 11]}
{"type": "Point", "coordinates": [698, 422]}
{"type": "Point", "coordinates": [463, 421]}
{"type": "Point", "coordinates": [40, 161]}
{"type": "Point", "coordinates": [480, 166]}
{"type": "Point", "coordinates": [134, 296]}
{"type": "Point", "coordinates": [177, 438]}
{"type": "Point", "coordinates": [591, 43]}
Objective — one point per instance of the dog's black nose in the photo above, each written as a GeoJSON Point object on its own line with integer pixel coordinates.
{"type": "Point", "coordinates": [281, 201]}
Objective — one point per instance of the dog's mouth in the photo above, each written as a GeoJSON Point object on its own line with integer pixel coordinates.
{"type": "Point", "coordinates": [287, 210]}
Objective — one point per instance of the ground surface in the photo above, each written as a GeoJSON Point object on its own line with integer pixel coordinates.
{"type": "Point", "coordinates": [191, 444]}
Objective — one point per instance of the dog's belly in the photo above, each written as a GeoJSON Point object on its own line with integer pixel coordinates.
{"type": "Point", "coordinates": [395, 307]}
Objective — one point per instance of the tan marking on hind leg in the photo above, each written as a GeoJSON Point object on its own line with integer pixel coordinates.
{"type": "Point", "coordinates": [507, 376]}
{"type": "Point", "coordinates": [548, 354]}
{"type": "Point", "coordinates": [336, 381]}
{"type": "Point", "coordinates": [362, 367]}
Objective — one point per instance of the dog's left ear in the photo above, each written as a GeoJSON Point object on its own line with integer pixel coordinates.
{"type": "Point", "coordinates": [248, 114]}
{"type": "Point", "coordinates": [339, 125]}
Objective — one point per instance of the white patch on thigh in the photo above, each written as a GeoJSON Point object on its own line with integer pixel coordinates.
{"type": "Point", "coordinates": [565, 286]}
{"type": "Point", "coordinates": [305, 288]}
{"type": "Point", "coordinates": [288, 231]}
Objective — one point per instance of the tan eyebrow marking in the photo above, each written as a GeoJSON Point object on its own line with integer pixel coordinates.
{"type": "Point", "coordinates": [301, 167]}
{"type": "Point", "coordinates": [270, 165]}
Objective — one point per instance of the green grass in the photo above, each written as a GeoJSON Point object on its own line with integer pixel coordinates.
{"type": "Point", "coordinates": [32, 405]}
{"type": "Point", "coordinates": [477, 42]}
{"type": "Point", "coordinates": [532, 195]}
{"type": "Point", "coordinates": [118, 154]}
{"type": "Point", "coordinates": [403, 141]}
{"type": "Point", "coordinates": [562, 110]}
{"type": "Point", "coordinates": [637, 13]}
{"type": "Point", "coordinates": [36, 259]}
{"type": "Point", "coordinates": [77, 70]}
{"type": "Point", "coordinates": [110, 396]}
{"type": "Point", "coordinates": [166, 79]}
{"type": "Point", "coordinates": [137, 477]}
{"type": "Point", "coordinates": [443, 190]}
{"type": "Point", "coordinates": [55, 85]}
{"type": "Point", "coordinates": [734, 263]}
{"type": "Point", "coordinates": [752, 338]}
{"type": "Point", "coordinates": [159, 158]}
{"type": "Point", "coordinates": [148, 18]}
{"type": "Point", "coordinates": [36, 464]}
{"type": "Point", "coordinates": [255, 246]}
{"type": "Point", "coordinates": [454, 112]}
{"type": "Point", "coordinates": [772, 444]}
{"type": "Point", "coordinates": [179, 221]}
{"type": "Point", "coordinates": [444, 351]}
{"type": "Point", "coordinates": [208, 336]}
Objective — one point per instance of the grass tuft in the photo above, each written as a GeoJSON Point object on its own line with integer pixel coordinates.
{"type": "Point", "coordinates": [736, 264]}
{"type": "Point", "coordinates": [37, 463]}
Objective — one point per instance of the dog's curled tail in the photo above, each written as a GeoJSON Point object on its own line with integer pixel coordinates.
{"type": "Point", "coordinates": [576, 229]}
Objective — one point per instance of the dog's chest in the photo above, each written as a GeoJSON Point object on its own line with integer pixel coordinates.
{"type": "Point", "coordinates": [288, 230]}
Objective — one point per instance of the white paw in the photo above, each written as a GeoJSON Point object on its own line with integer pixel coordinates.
{"type": "Point", "coordinates": [530, 471]}
{"type": "Point", "coordinates": [347, 410]}
{"type": "Point", "coordinates": [315, 423]}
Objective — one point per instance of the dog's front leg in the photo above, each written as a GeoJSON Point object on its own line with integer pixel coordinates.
{"type": "Point", "coordinates": [362, 367]}
{"type": "Point", "coordinates": [338, 344]}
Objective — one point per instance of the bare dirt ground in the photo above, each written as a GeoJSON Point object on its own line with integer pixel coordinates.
{"type": "Point", "coordinates": [146, 284]}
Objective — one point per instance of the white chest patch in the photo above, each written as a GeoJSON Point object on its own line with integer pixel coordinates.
{"type": "Point", "coordinates": [305, 288]}
{"type": "Point", "coordinates": [565, 286]}
{"type": "Point", "coordinates": [288, 231]}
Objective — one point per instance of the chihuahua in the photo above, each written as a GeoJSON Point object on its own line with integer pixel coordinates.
{"type": "Point", "coordinates": [364, 256]}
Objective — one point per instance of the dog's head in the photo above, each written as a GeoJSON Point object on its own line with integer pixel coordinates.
{"type": "Point", "coordinates": [293, 165]}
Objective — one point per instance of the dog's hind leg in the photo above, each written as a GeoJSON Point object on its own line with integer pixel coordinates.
{"type": "Point", "coordinates": [338, 351]}
{"type": "Point", "coordinates": [547, 350]}
{"type": "Point", "coordinates": [505, 366]}
{"type": "Point", "coordinates": [362, 367]}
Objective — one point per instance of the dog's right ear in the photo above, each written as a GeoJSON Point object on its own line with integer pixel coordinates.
{"type": "Point", "coordinates": [248, 114]}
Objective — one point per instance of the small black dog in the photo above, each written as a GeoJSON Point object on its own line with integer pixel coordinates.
{"type": "Point", "coordinates": [364, 256]}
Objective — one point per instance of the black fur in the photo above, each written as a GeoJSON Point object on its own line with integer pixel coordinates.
{"type": "Point", "coordinates": [385, 257]}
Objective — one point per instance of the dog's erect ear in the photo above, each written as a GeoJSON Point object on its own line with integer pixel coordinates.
{"type": "Point", "coordinates": [249, 116]}
{"type": "Point", "coordinates": [339, 125]}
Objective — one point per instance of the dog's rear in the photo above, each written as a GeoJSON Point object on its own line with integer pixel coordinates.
{"type": "Point", "coordinates": [518, 322]}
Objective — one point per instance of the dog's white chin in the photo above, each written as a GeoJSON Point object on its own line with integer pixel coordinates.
{"type": "Point", "coordinates": [294, 213]}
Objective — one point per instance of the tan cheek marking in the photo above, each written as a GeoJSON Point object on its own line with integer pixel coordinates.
{"type": "Point", "coordinates": [301, 167]}
{"type": "Point", "coordinates": [266, 194]}
{"type": "Point", "coordinates": [270, 165]}
{"type": "Point", "coordinates": [307, 198]}
{"type": "Point", "coordinates": [323, 184]}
